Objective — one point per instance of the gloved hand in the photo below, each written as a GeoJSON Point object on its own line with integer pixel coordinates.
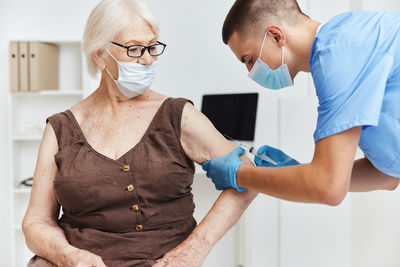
{"type": "Point", "coordinates": [222, 171]}
{"type": "Point", "coordinates": [281, 158]}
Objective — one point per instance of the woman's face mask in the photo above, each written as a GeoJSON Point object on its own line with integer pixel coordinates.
{"type": "Point", "coordinates": [262, 74]}
{"type": "Point", "coordinates": [133, 78]}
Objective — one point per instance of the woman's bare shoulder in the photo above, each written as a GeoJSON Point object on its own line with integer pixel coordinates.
{"type": "Point", "coordinates": [82, 107]}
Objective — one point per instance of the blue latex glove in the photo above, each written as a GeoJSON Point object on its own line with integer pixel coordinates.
{"type": "Point", "coordinates": [281, 158]}
{"type": "Point", "coordinates": [222, 171]}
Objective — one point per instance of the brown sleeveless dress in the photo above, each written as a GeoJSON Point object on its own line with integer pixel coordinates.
{"type": "Point", "coordinates": [132, 210]}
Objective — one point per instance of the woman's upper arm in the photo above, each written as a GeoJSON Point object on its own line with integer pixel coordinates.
{"type": "Point", "coordinates": [43, 205]}
{"type": "Point", "coordinates": [200, 139]}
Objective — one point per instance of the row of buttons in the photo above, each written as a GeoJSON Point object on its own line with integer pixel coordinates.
{"type": "Point", "coordinates": [134, 207]}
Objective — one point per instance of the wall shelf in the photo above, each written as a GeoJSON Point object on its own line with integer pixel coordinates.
{"type": "Point", "coordinates": [27, 116]}
{"type": "Point", "coordinates": [22, 190]}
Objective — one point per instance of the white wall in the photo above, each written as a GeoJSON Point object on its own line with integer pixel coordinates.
{"type": "Point", "coordinates": [363, 231]}
{"type": "Point", "coordinates": [196, 60]}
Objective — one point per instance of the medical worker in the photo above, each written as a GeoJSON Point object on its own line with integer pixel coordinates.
{"type": "Point", "coordinates": [354, 60]}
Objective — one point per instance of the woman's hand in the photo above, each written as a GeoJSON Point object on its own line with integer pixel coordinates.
{"type": "Point", "coordinates": [83, 258]}
{"type": "Point", "coordinates": [191, 252]}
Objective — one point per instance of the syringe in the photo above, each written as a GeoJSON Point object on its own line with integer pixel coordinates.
{"type": "Point", "coordinates": [264, 156]}
{"type": "Point", "coordinates": [252, 151]}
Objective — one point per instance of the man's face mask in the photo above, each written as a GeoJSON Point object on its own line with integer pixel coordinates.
{"type": "Point", "coordinates": [262, 74]}
{"type": "Point", "coordinates": [133, 78]}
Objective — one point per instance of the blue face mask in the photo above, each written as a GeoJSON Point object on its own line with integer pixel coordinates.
{"type": "Point", "coordinates": [272, 79]}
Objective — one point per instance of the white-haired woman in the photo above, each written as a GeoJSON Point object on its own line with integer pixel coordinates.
{"type": "Point", "coordinates": [120, 162]}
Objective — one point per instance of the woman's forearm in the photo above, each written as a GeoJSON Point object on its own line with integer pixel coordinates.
{"type": "Point", "coordinates": [224, 214]}
{"type": "Point", "coordinates": [49, 242]}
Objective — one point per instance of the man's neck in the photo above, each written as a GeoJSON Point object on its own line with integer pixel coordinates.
{"type": "Point", "coordinates": [303, 36]}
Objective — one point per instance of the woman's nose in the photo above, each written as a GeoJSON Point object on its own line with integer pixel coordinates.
{"type": "Point", "coordinates": [146, 59]}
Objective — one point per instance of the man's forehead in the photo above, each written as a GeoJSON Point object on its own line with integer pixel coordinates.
{"type": "Point", "coordinates": [237, 45]}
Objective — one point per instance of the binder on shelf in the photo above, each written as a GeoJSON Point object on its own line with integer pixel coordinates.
{"type": "Point", "coordinates": [43, 66]}
{"type": "Point", "coordinates": [14, 67]}
{"type": "Point", "coordinates": [24, 66]}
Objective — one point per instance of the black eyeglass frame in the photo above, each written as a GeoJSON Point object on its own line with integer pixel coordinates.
{"type": "Point", "coordinates": [144, 48]}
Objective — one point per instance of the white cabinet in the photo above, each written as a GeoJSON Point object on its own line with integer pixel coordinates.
{"type": "Point", "coordinates": [27, 116]}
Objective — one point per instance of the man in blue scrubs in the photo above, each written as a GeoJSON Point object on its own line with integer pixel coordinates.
{"type": "Point", "coordinates": [354, 60]}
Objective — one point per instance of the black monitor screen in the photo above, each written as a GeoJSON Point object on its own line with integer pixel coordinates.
{"type": "Point", "coordinates": [232, 114]}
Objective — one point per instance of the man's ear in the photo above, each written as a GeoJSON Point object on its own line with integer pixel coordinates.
{"type": "Point", "coordinates": [99, 59]}
{"type": "Point", "coordinates": [277, 33]}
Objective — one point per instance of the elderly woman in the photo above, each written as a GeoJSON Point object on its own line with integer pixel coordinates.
{"type": "Point", "coordinates": [120, 162]}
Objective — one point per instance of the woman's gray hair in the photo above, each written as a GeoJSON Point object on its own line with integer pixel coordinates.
{"type": "Point", "coordinates": [107, 19]}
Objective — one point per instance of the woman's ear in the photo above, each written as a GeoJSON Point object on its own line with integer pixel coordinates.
{"type": "Point", "coordinates": [277, 33]}
{"type": "Point", "coordinates": [99, 59]}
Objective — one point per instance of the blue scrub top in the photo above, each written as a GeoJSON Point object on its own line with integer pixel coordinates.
{"type": "Point", "coordinates": [355, 64]}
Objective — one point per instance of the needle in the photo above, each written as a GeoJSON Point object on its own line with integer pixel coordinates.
{"type": "Point", "coordinates": [264, 156]}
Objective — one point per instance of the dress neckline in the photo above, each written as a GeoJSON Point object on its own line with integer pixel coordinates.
{"type": "Point", "coordinates": [118, 160]}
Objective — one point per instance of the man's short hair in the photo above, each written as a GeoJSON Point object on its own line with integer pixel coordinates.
{"type": "Point", "coordinates": [249, 16]}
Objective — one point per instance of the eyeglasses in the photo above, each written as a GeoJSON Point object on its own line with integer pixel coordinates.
{"type": "Point", "coordinates": [137, 51]}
